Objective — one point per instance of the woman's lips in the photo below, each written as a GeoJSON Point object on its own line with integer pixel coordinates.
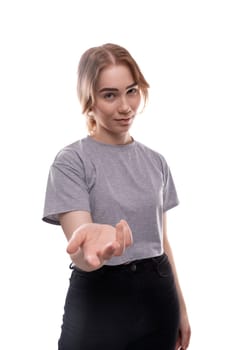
{"type": "Point", "coordinates": [124, 120]}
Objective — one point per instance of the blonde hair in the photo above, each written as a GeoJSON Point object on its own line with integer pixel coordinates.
{"type": "Point", "coordinates": [91, 63]}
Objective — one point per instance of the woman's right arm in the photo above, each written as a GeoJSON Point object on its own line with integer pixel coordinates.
{"type": "Point", "coordinates": [90, 245]}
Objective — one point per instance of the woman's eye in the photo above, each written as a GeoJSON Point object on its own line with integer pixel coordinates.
{"type": "Point", "coordinates": [132, 91]}
{"type": "Point", "coordinates": [109, 96]}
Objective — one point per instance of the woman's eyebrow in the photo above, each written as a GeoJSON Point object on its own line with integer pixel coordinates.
{"type": "Point", "coordinates": [114, 89]}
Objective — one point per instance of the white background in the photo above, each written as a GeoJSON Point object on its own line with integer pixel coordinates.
{"type": "Point", "coordinates": [184, 49]}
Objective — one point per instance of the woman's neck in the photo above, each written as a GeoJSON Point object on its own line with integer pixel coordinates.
{"type": "Point", "coordinates": [120, 139]}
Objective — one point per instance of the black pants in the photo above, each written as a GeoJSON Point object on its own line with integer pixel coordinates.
{"type": "Point", "coordinates": [127, 307]}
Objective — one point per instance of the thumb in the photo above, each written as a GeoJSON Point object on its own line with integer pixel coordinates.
{"type": "Point", "coordinates": [75, 242]}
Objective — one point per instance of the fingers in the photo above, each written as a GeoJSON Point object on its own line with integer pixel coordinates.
{"type": "Point", "coordinates": [185, 336]}
{"type": "Point", "coordinates": [178, 342]}
{"type": "Point", "coordinates": [97, 247]}
{"type": "Point", "coordinates": [179, 347]}
{"type": "Point", "coordinates": [96, 259]}
{"type": "Point", "coordinates": [120, 238]}
{"type": "Point", "coordinates": [93, 260]}
{"type": "Point", "coordinates": [123, 237]}
{"type": "Point", "coordinates": [183, 339]}
{"type": "Point", "coordinates": [109, 251]}
{"type": "Point", "coordinates": [128, 233]}
{"type": "Point", "coordinates": [184, 343]}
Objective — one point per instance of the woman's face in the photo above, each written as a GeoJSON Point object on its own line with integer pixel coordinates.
{"type": "Point", "coordinates": [117, 98]}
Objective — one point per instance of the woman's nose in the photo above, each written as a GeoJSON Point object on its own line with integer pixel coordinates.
{"type": "Point", "coordinates": [124, 107]}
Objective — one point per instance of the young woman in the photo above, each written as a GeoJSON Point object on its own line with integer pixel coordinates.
{"type": "Point", "coordinates": [110, 194]}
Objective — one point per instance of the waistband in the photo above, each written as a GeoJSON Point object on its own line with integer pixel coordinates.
{"type": "Point", "coordinates": [134, 264]}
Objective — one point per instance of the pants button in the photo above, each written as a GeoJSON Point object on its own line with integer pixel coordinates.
{"type": "Point", "coordinates": [133, 267]}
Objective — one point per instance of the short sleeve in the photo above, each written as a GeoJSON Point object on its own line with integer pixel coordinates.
{"type": "Point", "coordinates": [66, 187]}
{"type": "Point", "coordinates": [170, 198]}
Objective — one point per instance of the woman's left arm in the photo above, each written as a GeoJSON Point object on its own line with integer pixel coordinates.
{"type": "Point", "coordinates": [184, 330]}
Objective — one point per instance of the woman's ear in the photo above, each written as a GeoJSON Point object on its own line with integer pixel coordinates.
{"type": "Point", "coordinates": [89, 114]}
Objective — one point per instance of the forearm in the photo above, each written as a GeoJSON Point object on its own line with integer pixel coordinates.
{"type": "Point", "coordinates": [184, 329]}
{"type": "Point", "coordinates": [168, 251]}
{"type": "Point", "coordinates": [71, 221]}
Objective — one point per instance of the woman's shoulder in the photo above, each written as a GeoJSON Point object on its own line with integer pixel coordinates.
{"type": "Point", "coordinates": [151, 152]}
{"type": "Point", "coordinates": [71, 152]}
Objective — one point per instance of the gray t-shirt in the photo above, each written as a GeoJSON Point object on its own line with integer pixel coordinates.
{"type": "Point", "coordinates": [114, 182]}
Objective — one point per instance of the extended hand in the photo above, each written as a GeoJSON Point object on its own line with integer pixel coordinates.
{"type": "Point", "coordinates": [92, 244]}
